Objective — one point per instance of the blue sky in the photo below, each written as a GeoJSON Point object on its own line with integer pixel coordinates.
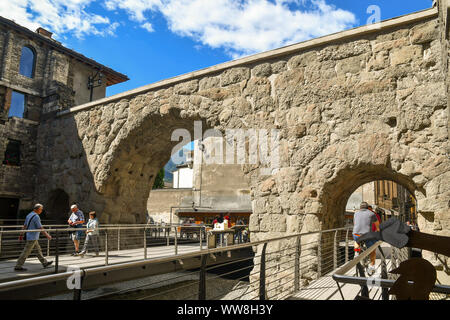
{"type": "Point", "coordinates": [152, 40]}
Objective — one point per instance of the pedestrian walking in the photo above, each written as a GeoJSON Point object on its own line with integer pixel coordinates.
{"type": "Point", "coordinates": [76, 220]}
{"type": "Point", "coordinates": [33, 222]}
{"type": "Point", "coordinates": [91, 234]}
{"type": "Point", "coordinates": [374, 228]}
{"type": "Point", "coordinates": [362, 224]}
{"type": "Point", "coordinates": [239, 227]}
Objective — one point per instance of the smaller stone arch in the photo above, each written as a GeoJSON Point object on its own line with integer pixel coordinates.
{"type": "Point", "coordinates": [335, 194]}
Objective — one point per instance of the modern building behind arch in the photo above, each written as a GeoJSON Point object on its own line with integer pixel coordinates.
{"type": "Point", "coordinates": [38, 77]}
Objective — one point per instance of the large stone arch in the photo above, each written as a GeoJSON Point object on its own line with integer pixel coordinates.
{"type": "Point", "coordinates": [124, 155]}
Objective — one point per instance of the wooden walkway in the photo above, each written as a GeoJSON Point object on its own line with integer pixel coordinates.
{"type": "Point", "coordinates": [325, 288]}
{"type": "Point", "coordinates": [34, 267]}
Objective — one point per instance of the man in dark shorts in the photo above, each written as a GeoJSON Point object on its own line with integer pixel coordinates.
{"type": "Point", "coordinates": [362, 224]}
{"type": "Point", "coordinates": [76, 220]}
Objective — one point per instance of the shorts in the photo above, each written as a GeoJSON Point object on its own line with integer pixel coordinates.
{"type": "Point", "coordinates": [77, 235]}
{"type": "Point", "coordinates": [368, 243]}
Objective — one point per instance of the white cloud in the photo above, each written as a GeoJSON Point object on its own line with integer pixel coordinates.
{"type": "Point", "coordinates": [240, 27]}
{"type": "Point", "coordinates": [147, 26]}
{"type": "Point", "coordinates": [252, 26]}
{"type": "Point", "coordinates": [135, 8]}
{"type": "Point", "coordinates": [59, 16]}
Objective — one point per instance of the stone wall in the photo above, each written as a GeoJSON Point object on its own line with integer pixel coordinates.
{"type": "Point", "coordinates": [51, 88]}
{"type": "Point", "coordinates": [160, 202]}
{"type": "Point", "coordinates": [355, 109]}
{"type": "Point", "coordinates": [19, 181]}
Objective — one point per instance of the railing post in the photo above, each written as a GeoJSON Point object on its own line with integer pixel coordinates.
{"type": "Point", "coordinates": [297, 265]}
{"type": "Point", "coordinates": [145, 243]}
{"type": "Point", "coordinates": [57, 251]}
{"type": "Point", "coordinates": [48, 245]}
{"type": "Point", "coordinates": [384, 291]}
{"type": "Point", "coordinates": [319, 256]}
{"type": "Point", "coordinates": [168, 235]}
{"type": "Point", "coordinates": [200, 236]}
{"type": "Point", "coordinates": [118, 239]}
{"type": "Point", "coordinates": [202, 282]}
{"type": "Point", "coordinates": [335, 253]}
{"type": "Point", "coordinates": [262, 274]}
{"type": "Point", "coordinates": [106, 248]}
{"type": "Point", "coordinates": [346, 246]}
{"type": "Point", "coordinates": [176, 242]}
{"type": "Point", "coordinates": [1, 240]}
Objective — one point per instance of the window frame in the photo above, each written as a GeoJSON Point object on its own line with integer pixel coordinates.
{"type": "Point", "coordinates": [24, 104]}
{"type": "Point", "coordinates": [18, 143]}
{"type": "Point", "coordinates": [33, 67]}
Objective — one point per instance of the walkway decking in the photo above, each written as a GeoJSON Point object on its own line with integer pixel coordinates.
{"type": "Point", "coordinates": [34, 267]}
{"type": "Point", "coordinates": [325, 288]}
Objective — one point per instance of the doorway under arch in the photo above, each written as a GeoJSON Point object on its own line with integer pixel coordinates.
{"type": "Point", "coordinates": [58, 206]}
{"type": "Point", "coordinates": [335, 194]}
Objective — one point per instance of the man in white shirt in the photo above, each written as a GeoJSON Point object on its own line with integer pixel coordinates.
{"type": "Point", "coordinates": [76, 220]}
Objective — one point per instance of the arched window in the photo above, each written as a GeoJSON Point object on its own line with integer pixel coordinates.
{"type": "Point", "coordinates": [27, 62]}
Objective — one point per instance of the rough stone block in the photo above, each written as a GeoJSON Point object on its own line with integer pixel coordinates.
{"type": "Point", "coordinates": [350, 65]}
{"type": "Point", "coordinates": [405, 55]}
{"type": "Point", "coordinates": [184, 88]}
{"type": "Point", "coordinates": [262, 70]}
{"type": "Point", "coordinates": [424, 33]}
{"type": "Point", "coordinates": [234, 75]}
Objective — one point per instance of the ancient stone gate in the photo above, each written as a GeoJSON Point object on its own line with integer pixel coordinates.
{"type": "Point", "coordinates": [353, 107]}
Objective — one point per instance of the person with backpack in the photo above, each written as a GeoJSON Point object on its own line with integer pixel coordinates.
{"type": "Point", "coordinates": [33, 222]}
{"type": "Point", "coordinates": [362, 224]}
{"type": "Point", "coordinates": [374, 228]}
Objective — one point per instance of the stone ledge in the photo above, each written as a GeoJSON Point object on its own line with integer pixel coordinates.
{"type": "Point", "coordinates": [343, 35]}
{"type": "Point", "coordinates": [6, 83]}
{"type": "Point", "coordinates": [171, 190]}
{"type": "Point", "coordinates": [24, 120]}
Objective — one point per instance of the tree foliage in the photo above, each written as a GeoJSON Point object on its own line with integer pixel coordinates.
{"type": "Point", "coordinates": [159, 181]}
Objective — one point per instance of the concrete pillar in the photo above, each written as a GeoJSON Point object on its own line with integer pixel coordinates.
{"type": "Point", "coordinates": [197, 174]}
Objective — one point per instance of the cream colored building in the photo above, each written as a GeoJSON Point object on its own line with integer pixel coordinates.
{"type": "Point", "coordinates": [201, 190]}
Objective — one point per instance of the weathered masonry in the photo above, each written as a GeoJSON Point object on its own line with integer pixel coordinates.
{"type": "Point", "coordinates": [38, 77]}
{"type": "Point", "coordinates": [359, 105]}
{"type": "Point", "coordinates": [353, 107]}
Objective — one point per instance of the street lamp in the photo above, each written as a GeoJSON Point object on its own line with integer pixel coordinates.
{"type": "Point", "coordinates": [94, 81]}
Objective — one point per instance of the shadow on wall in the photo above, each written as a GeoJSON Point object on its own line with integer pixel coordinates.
{"type": "Point", "coordinates": [107, 165]}
{"type": "Point", "coordinates": [58, 206]}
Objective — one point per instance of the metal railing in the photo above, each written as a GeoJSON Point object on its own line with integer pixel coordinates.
{"type": "Point", "coordinates": [385, 281]}
{"type": "Point", "coordinates": [276, 268]}
{"type": "Point", "coordinates": [112, 238]}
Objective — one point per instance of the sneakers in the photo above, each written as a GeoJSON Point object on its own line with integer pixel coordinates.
{"type": "Point", "coordinates": [371, 270]}
{"type": "Point", "coordinates": [75, 253]}
{"type": "Point", "coordinates": [81, 254]}
{"type": "Point", "coordinates": [20, 269]}
{"type": "Point", "coordinates": [47, 264]}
